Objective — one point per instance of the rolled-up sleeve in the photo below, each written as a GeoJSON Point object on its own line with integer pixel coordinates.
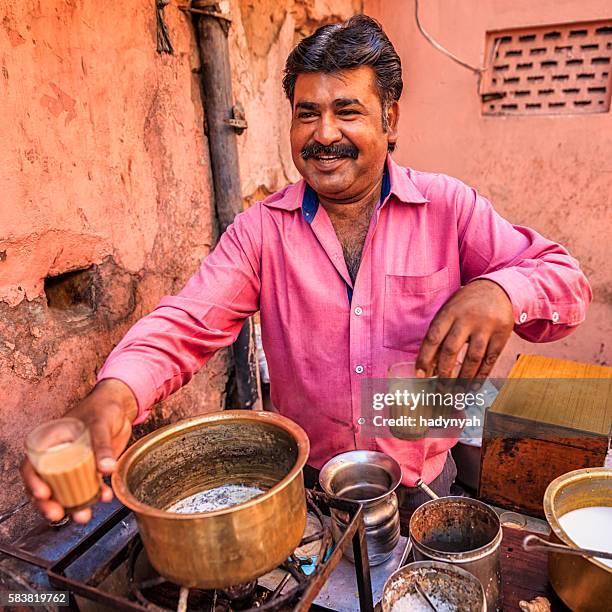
{"type": "Point", "coordinates": [548, 290]}
{"type": "Point", "coordinates": [163, 350]}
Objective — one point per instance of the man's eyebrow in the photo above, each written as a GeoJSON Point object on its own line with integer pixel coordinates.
{"type": "Point", "coordinates": [306, 105]}
{"type": "Point", "coordinates": [342, 102]}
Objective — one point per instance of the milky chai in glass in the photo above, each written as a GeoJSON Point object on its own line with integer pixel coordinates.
{"type": "Point", "coordinates": [61, 454]}
{"type": "Point", "coordinates": [402, 378]}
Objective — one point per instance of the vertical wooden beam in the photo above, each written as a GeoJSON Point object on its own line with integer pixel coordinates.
{"type": "Point", "coordinates": [218, 105]}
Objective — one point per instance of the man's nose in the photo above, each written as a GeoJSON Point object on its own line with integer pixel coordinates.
{"type": "Point", "coordinates": [327, 132]}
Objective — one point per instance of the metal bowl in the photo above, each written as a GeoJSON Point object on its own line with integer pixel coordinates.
{"type": "Point", "coordinates": [228, 546]}
{"type": "Point", "coordinates": [443, 582]}
{"type": "Point", "coordinates": [582, 583]}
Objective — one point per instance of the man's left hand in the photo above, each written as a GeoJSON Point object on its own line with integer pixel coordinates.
{"type": "Point", "coordinates": [481, 315]}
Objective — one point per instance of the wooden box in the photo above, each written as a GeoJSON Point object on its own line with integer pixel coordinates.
{"type": "Point", "coordinates": [551, 416]}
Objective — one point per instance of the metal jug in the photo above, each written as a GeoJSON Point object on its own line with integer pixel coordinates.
{"type": "Point", "coordinates": [369, 478]}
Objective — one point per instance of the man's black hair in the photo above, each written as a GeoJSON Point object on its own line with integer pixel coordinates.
{"type": "Point", "coordinates": [360, 41]}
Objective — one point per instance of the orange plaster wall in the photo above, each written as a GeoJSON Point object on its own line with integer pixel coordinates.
{"type": "Point", "coordinates": [105, 163]}
{"type": "Point", "coordinates": [552, 173]}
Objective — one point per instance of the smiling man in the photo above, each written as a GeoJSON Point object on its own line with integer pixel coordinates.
{"type": "Point", "coordinates": [359, 266]}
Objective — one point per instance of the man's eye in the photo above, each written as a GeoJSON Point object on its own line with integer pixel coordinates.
{"type": "Point", "coordinates": [347, 112]}
{"type": "Point", "coordinates": [305, 115]}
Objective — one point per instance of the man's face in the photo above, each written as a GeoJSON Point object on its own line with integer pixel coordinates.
{"type": "Point", "coordinates": [337, 139]}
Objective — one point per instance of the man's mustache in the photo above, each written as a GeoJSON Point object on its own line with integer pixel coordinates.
{"type": "Point", "coordinates": [315, 149]}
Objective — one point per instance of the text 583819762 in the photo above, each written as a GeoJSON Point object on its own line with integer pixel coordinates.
{"type": "Point", "coordinates": [34, 598]}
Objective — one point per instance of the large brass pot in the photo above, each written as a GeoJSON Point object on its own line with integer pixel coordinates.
{"type": "Point", "coordinates": [229, 546]}
{"type": "Point", "coordinates": [583, 583]}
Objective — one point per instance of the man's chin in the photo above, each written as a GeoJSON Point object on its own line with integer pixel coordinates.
{"type": "Point", "coordinates": [328, 182]}
{"type": "Point", "coordinates": [331, 186]}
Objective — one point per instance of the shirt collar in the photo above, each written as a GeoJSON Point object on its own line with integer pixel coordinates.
{"type": "Point", "coordinates": [402, 186]}
{"type": "Point", "coordinates": [301, 195]}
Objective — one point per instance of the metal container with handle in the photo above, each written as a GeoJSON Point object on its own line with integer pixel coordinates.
{"type": "Point", "coordinates": [231, 545]}
{"type": "Point", "coordinates": [464, 532]}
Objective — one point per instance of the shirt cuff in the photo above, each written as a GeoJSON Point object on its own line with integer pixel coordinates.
{"type": "Point", "coordinates": [522, 294]}
{"type": "Point", "coordinates": [137, 377]}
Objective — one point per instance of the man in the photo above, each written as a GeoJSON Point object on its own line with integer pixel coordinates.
{"type": "Point", "coordinates": [360, 265]}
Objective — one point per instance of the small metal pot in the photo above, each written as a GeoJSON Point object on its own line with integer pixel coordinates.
{"type": "Point", "coordinates": [228, 546]}
{"type": "Point", "coordinates": [369, 478]}
{"type": "Point", "coordinates": [583, 583]}
{"type": "Point", "coordinates": [464, 532]}
{"type": "Point", "coordinates": [440, 581]}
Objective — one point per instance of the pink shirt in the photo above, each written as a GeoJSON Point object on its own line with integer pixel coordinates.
{"type": "Point", "coordinates": [430, 235]}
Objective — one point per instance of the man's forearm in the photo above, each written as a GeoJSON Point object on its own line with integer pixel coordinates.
{"type": "Point", "coordinates": [549, 294]}
{"type": "Point", "coordinates": [161, 353]}
{"type": "Point", "coordinates": [548, 290]}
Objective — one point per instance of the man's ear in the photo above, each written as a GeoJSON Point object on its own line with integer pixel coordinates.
{"type": "Point", "coordinates": [392, 121]}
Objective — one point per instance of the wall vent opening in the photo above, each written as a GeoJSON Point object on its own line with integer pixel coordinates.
{"type": "Point", "coordinates": [569, 73]}
{"type": "Point", "coordinates": [72, 292]}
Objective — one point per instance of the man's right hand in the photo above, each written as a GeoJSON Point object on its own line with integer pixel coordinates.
{"type": "Point", "coordinates": [108, 411]}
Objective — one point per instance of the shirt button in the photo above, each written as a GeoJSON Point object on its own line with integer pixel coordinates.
{"type": "Point", "coordinates": [523, 317]}
{"type": "Point", "coordinates": [555, 317]}
{"type": "Point", "coordinates": [359, 369]}
{"type": "Point", "coordinates": [358, 310]}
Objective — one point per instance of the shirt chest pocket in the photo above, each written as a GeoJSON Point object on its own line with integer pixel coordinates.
{"type": "Point", "coordinates": [410, 304]}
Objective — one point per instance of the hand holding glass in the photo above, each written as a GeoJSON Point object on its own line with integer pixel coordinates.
{"type": "Point", "coordinates": [61, 453]}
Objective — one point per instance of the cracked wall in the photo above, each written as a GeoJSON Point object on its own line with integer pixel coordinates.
{"type": "Point", "coordinates": [106, 170]}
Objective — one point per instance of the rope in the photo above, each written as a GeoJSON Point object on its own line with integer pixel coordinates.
{"type": "Point", "coordinates": [163, 36]}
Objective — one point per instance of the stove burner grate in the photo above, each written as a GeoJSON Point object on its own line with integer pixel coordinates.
{"type": "Point", "coordinates": [114, 552]}
{"type": "Point", "coordinates": [249, 597]}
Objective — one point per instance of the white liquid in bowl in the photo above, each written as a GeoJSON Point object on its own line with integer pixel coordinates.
{"type": "Point", "coordinates": [218, 498]}
{"type": "Point", "coordinates": [590, 528]}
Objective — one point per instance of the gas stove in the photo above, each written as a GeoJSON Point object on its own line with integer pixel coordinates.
{"type": "Point", "coordinates": [104, 566]}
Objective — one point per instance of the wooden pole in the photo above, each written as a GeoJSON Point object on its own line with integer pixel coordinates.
{"type": "Point", "coordinates": [222, 123]}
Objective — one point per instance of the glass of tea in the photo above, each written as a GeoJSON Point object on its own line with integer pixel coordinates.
{"type": "Point", "coordinates": [402, 380]}
{"type": "Point", "coordinates": [61, 454]}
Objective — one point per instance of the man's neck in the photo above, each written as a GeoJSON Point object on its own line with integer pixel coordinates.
{"type": "Point", "coordinates": [354, 208]}
{"type": "Point", "coordinates": [351, 220]}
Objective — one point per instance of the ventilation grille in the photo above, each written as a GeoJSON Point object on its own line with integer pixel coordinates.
{"type": "Point", "coordinates": [549, 70]}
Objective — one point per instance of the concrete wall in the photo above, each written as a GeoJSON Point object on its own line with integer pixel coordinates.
{"type": "Point", "coordinates": [263, 35]}
{"type": "Point", "coordinates": [105, 169]}
{"type": "Point", "coordinates": [552, 173]}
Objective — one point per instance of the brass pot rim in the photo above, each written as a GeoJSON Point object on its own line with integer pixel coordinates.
{"type": "Point", "coordinates": [157, 437]}
{"type": "Point", "coordinates": [550, 511]}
